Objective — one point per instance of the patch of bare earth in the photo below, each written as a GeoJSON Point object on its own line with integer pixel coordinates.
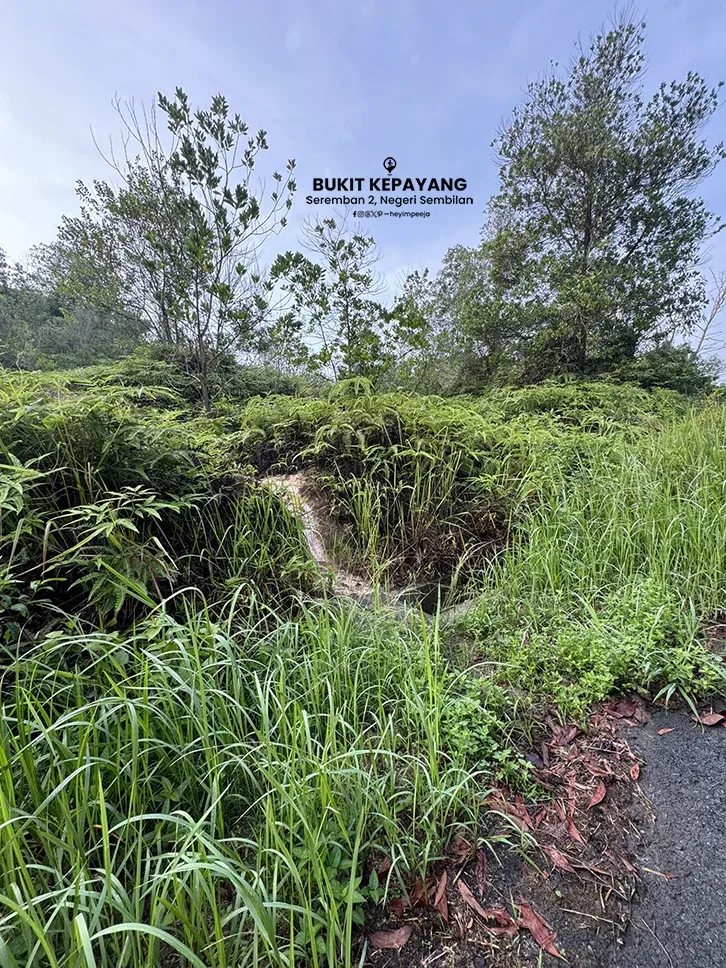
{"type": "Point", "coordinates": [304, 499]}
{"type": "Point", "coordinates": [563, 893]}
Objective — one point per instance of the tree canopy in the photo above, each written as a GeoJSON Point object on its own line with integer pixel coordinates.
{"type": "Point", "coordinates": [599, 233]}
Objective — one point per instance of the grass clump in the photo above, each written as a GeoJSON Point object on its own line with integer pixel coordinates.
{"type": "Point", "coordinates": [181, 790]}
{"type": "Point", "coordinates": [610, 578]}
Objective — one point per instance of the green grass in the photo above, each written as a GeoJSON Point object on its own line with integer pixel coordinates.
{"type": "Point", "coordinates": [608, 581]}
{"type": "Point", "coordinates": [188, 786]}
{"type": "Point", "coordinates": [201, 757]}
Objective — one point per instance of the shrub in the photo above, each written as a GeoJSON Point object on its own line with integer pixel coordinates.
{"type": "Point", "coordinates": [677, 368]}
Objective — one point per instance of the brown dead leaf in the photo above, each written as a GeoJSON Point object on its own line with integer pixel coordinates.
{"type": "Point", "coordinates": [662, 732]}
{"type": "Point", "coordinates": [460, 848]}
{"type": "Point", "coordinates": [540, 816]}
{"type": "Point", "coordinates": [440, 903]}
{"type": "Point", "coordinates": [599, 794]}
{"type": "Point", "coordinates": [622, 708]}
{"type": "Point", "coordinates": [574, 832]}
{"type": "Point", "coordinates": [564, 735]}
{"type": "Point", "coordinates": [384, 866]}
{"type": "Point", "coordinates": [418, 896]}
{"type": "Point", "coordinates": [518, 811]}
{"type": "Point", "coordinates": [395, 938]}
{"type": "Point", "coordinates": [559, 859]}
{"type": "Point", "coordinates": [595, 770]}
{"type": "Point", "coordinates": [398, 906]}
{"type": "Point", "coordinates": [542, 932]}
{"type": "Point", "coordinates": [469, 898]}
{"type": "Point", "coordinates": [506, 925]}
{"type": "Point", "coordinates": [588, 867]}
{"type": "Point", "coordinates": [523, 812]}
{"type": "Point", "coordinates": [711, 719]}
{"type": "Point", "coordinates": [634, 772]}
{"type": "Point", "coordinates": [571, 794]}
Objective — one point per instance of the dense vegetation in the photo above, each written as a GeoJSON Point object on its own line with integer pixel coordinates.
{"type": "Point", "coordinates": [201, 749]}
{"type": "Point", "coordinates": [204, 748]}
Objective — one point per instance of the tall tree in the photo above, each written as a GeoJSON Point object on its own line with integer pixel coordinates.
{"type": "Point", "coordinates": [177, 243]}
{"type": "Point", "coordinates": [41, 328]}
{"type": "Point", "coordinates": [333, 322]}
{"type": "Point", "coordinates": [600, 233]}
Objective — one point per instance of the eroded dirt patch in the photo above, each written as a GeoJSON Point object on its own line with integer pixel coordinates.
{"type": "Point", "coordinates": [302, 495]}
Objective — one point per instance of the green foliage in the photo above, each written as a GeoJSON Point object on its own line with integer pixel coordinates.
{"type": "Point", "coordinates": [573, 653]}
{"type": "Point", "coordinates": [164, 366]}
{"type": "Point", "coordinates": [175, 246]}
{"type": "Point", "coordinates": [600, 406]}
{"type": "Point", "coordinates": [402, 472]}
{"type": "Point", "coordinates": [228, 788]}
{"type": "Point", "coordinates": [479, 731]}
{"type": "Point", "coordinates": [109, 506]}
{"type": "Point", "coordinates": [200, 753]}
{"type": "Point", "coordinates": [39, 329]}
{"type": "Point", "coordinates": [426, 487]}
{"type": "Point", "coordinates": [333, 323]}
{"type": "Point", "coordinates": [674, 367]}
{"type": "Point", "coordinates": [596, 234]}
{"type": "Point", "coordinates": [613, 572]}
{"type": "Point", "coordinates": [482, 337]}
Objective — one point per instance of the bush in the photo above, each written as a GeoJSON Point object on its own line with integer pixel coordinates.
{"type": "Point", "coordinates": [677, 368]}
{"type": "Point", "coordinates": [159, 365]}
{"type": "Point", "coordinates": [107, 508]}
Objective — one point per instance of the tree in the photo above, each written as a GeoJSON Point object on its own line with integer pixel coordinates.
{"type": "Point", "coordinates": [42, 328]}
{"type": "Point", "coordinates": [673, 368]}
{"type": "Point", "coordinates": [417, 362]}
{"type": "Point", "coordinates": [451, 333]}
{"type": "Point", "coordinates": [709, 338]}
{"type": "Point", "coordinates": [486, 332]}
{"type": "Point", "coordinates": [20, 309]}
{"type": "Point", "coordinates": [599, 233]}
{"type": "Point", "coordinates": [177, 243]}
{"type": "Point", "coordinates": [332, 323]}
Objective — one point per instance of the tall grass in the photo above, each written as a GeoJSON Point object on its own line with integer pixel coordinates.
{"type": "Point", "coordinates": [188, 790]}
{"type": "Point", "coordinates": [656, 506]}
{"type": "Point", "coordinates": [615, 569]}
{"type": "Point", "coordinates": [203, 761]}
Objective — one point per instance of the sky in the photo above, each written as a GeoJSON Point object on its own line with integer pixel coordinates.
{"type": "Point", "coordinates": [337, 86]}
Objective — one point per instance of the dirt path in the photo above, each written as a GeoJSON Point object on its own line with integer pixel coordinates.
{"type": "Point", "coordinates": [680, 921]}
{"type": "Point", "coordinates": [301, 494]}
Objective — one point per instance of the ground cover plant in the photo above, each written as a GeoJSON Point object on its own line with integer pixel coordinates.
{"type": "Point", "coordinates": [205, 756]}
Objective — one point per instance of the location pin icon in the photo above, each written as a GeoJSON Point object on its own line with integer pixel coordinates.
{"type": "Point", "coordinates": [389, 164]}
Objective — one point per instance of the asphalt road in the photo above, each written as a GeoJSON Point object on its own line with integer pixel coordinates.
{"type": "Point", "coordinates": [680, 922]}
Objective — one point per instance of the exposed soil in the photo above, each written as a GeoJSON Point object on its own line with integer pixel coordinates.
{"type": "Point", "coordinates": [593, 884]}
{"type": "Point", "coordinates": [303, 497]}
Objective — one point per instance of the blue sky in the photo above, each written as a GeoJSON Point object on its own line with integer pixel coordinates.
{"type": "Point", "coordinates": [338, 86]}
